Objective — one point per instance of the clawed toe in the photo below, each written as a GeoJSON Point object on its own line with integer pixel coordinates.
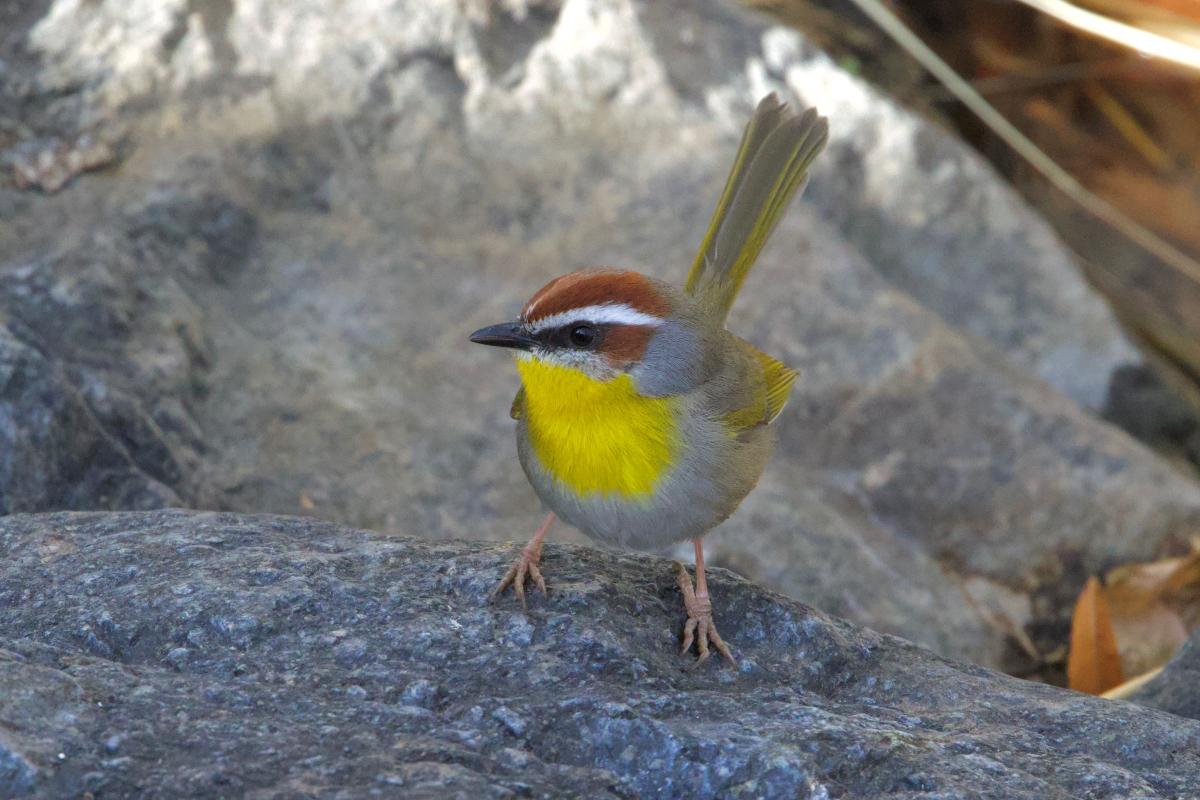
{"type": "Point", "coordinates": [524, 568]}
{"type": "Point", "coordinates": [703, 631]}
{"type": "Point", "coordinates": [699, 628]}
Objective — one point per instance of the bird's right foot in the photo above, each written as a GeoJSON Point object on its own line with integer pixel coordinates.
{"type": "Point", "coordinates": [700, 627]}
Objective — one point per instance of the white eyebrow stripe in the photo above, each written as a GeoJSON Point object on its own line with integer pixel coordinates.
{"type": "Point", "coordinates": [611, 313]}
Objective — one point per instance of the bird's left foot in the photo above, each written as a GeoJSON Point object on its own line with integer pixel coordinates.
{"type": "Point", "coordinates": [700, 627]}
{"type": "Point", "coordinates": [525, 567]}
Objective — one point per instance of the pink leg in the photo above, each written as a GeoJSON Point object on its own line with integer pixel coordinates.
{"type": "Point", "coordinates": [700, 627]}
{"type": "Point", "coordinates": [526, 565]}
{"type": "Point", "coordinates": [701, 581]}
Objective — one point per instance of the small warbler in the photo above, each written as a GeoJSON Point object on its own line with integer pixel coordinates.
{"type": "Point", "coordinates": [641, 420]}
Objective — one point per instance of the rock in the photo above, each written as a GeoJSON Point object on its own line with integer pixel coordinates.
{"type": "Point", "coordinates": [264, 306]}
{"type": "Point", "coordinates": [1143, 404]}
{"type": "Point", "coordinates": [1175, 689]}
{"type": "Point", "coordinates": [448, 696]}
{"type": "Point", "coordinates": [930, 214]}
{"type": "Point", "coordinates": [56, 453]}
{"type": "Point", "coordinates": [101, 352]}
{"type": "Point", "coordinates": [937, 222]}
{"type": "Point", "coordinates": [51, 165]}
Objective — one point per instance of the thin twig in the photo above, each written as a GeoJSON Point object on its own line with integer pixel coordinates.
{"type": "Point", "coordinates": [1122, 690]}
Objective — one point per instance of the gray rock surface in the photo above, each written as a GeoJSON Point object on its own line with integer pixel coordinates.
{"type": "Point", "coordinates": [929, 213]}
{"type": "Point", "coordinates": [100, 351]}
{"type": "Point", "coordinates": [1175, 689]}
{"type": "Point", "coordinates": [184, 654]}
{"type": "Point", "coordinates": [264, 306]}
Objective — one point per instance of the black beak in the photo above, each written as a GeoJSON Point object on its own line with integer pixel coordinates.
{"type": "Point", "coordinates": [506, 334]}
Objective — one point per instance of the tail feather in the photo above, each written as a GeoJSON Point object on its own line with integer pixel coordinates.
{"type": "Point", "coordinates": [771, 166]}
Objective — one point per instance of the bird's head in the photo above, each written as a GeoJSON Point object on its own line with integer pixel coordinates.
{"type": "Point", "coordinates": [606, 322]}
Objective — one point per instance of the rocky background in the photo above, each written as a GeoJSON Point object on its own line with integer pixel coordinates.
{"type": "Point", "coordinates": [241, 246]}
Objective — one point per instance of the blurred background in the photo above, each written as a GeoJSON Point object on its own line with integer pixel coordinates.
{"type": "Point", "coordinates": [242, 244]}
{"type": "Point", "coordinates": [1107, 91]}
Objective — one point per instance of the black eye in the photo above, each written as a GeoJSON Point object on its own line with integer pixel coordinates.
{"type": "Point", "coordinates": [582, 336]}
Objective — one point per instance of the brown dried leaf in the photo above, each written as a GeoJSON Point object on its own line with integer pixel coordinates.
{"type": "Point", "coordinates": [1182, 590]}
{"type": "Point", "coordinates": [1093, 665]}
{"type": "Point", "coordinates": [1152, 607]}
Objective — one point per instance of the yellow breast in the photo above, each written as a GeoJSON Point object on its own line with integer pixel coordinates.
{"type": "Point", "coordinates": [597, 437]}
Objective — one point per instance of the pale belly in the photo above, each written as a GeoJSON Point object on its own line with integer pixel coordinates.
{"type": "Point", "coordinates": [709, 474]}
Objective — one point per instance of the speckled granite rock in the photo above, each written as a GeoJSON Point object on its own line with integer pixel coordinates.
{"type": "Point", "coordinates": [1177, 688]}
{"type": "Point", "coordinates": [263, 307]}
{"type": "Point", "coordinates": [184, 654]}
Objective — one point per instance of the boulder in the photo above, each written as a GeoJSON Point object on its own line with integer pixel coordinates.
{"type": "Point", "coordinates": [929, 213]}
{"type": "Point", "coordinates": [264, 306]}
{"type": "Point", "coordinates": [185, 654]}
{"type": "Point", "coordinates": [101, 353]}
{"type": "Point", "coordinates": [1174, 689]}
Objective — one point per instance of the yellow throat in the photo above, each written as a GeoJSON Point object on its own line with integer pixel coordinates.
{"type": "Point", "coordinates": [597, 437]}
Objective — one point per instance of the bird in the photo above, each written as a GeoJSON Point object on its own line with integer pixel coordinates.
{"type": "Point", "coordinates": [640, 418]}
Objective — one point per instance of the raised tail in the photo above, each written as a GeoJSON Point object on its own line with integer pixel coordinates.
{"type": "Point", "coordinates": [771, 166]}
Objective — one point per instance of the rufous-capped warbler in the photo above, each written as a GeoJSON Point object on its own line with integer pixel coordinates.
{"type": "Point", "coordinates": [641, 420]}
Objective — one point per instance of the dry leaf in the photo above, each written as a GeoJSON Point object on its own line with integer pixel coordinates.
{"type": "Point", "coordinates": [1093, 665]}
{"type": "Point", "coordinates": [1182, 591]}
{"type": "Point", "coordinates": [1153, 606]}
